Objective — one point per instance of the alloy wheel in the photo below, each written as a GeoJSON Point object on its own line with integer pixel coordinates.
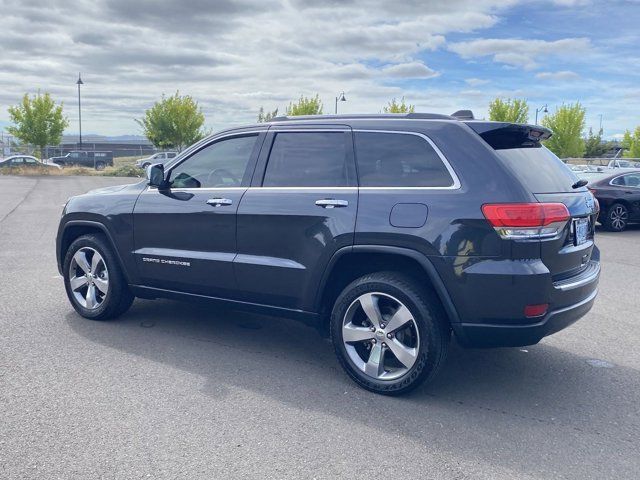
{"type": "Point", "coordinates": [618, 217]}
{"type": "Point", "coordinates": [88, 278]}
{"type": "Point", "coordinates": [380, 336]}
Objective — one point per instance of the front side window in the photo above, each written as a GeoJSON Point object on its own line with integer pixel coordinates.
{"type": "Point", "coordinates": [399, 160]}
{"type": "Point", "coordinates": [219, 165]}
{"type": "Point", "coordinates": [309, 159]}
{"type": "Point", "coordinates": [29, 160]}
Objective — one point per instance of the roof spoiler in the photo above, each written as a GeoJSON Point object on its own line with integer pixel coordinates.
{"type": "Point", "coordinates": [463, 115]}
{"type": "Point", "coordinates": [504, 135]}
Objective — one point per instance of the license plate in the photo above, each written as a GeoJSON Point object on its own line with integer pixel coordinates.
{"type": "Point", "coordinates": [581, 227]}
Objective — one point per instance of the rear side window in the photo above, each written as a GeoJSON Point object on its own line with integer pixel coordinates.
{"type": "Point", "coordinates": [539, 169]}
{"type": "Point", "coordinates": [399, 160]}
{"type": "Point", "coordinates": [631, 180]}
{"type": "Point", "coordinates": [309, 159]}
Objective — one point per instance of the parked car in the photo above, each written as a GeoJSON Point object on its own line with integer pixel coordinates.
{"type": "Point", "coordinates": [386, 232]}
{"type": "Point", "coordinates": [617, 163]}
{"type": "Point", "coordinates": [587, 168]}
{"type": "Point", "coordinates": [97, 160]}
{"type": "Point", "coordinates": [619, 197]}
{"type": "Point", "coordinates": [160, 157]}
{"type": "Point", "coordinates": [26, 161]}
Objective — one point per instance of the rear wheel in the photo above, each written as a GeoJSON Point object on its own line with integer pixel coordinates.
{"type": "Point", "coordinates": [389, 333]}
{"type": "Point", "coordinates": [100, 165]}
{"type": "Point", "coordinates": [617, 218]}
{"type": "Point", "coordinates": [93, 279]}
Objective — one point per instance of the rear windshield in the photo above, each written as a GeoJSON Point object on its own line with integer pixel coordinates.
{"type": "Point", "coordinates": [539, 169]}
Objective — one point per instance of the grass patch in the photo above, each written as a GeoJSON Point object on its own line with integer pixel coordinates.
{"type": "Point", "coordinates": [122, 167]}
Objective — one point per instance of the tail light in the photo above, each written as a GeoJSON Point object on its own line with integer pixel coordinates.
{"type": "Point", "coordinates": [526, 221]}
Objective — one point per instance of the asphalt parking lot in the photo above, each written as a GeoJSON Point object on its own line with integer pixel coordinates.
{"type": "Point", "coordinates": [175, 390]}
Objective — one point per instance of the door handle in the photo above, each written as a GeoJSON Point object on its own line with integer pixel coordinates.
{"type": "Point", "coordinates": [331, 203]}
{"type": "Point", "coordinates": [219, 202]}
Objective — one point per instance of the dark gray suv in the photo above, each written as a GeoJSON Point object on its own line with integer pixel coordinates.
{"type": "Point", "coordinates": [386, 232]}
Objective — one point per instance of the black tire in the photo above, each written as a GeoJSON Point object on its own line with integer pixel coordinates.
{"type": "Point", "coordinates": [118, 298]}
{"type": "Point", "coordinates": [145, 166]}
{"type": "Point", "coordinates": [430, 320]}
{"type": "Point", "coordinates": [617, 218]}
{"type": "Point", "coordinates": [100, 166]}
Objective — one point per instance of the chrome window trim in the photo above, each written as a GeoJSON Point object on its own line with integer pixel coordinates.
{"type": "Point", "coordinates": [204, 143]}
{"type": "Point", "coordinates": [624, 175]}
{"type": "Point", "coordinates": [456, 181]}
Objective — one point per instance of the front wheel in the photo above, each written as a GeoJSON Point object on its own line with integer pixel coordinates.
{"type": "Point", "coordinates": [100, 166]}
{"type": "Point", "coordinates": [93, 279]}
{"type": "Point", "coordinates": [617, 218]}
{"type": "Point", "coordinates": [389, 333]}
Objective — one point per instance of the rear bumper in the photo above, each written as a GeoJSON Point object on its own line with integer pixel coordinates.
{"type": "Point", "coordinates": [495, 301]}
{"type": "Point", "coordinates": [500, 335]}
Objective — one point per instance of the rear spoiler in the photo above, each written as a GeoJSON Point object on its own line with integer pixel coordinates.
{"type": "Point", "coordinates": [504, 135]}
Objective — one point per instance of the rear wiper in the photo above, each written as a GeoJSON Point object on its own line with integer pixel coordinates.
{"type": "Point", "coordinates": [580, 183]}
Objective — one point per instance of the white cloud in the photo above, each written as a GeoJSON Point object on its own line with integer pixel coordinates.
{"type": "Point", "coordinates": [519, 52]}
{"type": "Point", "coordinates": [561, 75]}
{"type": "Point", "coordinates": [476, 82]}
{"type": "Point", "coordinates": [409, 70]}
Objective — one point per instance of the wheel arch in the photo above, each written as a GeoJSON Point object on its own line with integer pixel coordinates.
{"type": "Point", "coordinates": [74, 229]}
{"type": "Point", "coordinates": [350, 263]}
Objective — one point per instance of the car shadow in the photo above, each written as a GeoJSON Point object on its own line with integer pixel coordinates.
{"type": "Point", "coordinates": [489, 396]}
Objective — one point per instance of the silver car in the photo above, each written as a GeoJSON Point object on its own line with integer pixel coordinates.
{"type": "Point", "coordinates": [160, 157]}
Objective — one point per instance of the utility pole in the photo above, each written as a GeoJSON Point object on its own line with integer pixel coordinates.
{"type": "Point", "coordinates": [79, 82]}
{"type": "Point", "coordinates": [340, 98]}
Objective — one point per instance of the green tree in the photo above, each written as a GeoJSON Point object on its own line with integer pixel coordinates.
{"type": "Point", "coordinates": [509, 110]}
{"type": "Point", "coordinates": [631, 143]}
{"type": "Point", "coordinates": [594, 146]}
{"type": "Point", "coordinates": [265, 117]}
{"type": "Point", "coordinates": [173, 122]}
{"type": "Point", "coordinates": [394, 107]}
{"type": "Point", "coordinates": [305, 106]}
{"type": "Point", "coordinates": [38, 121]}
{"type": "Point", "coordinates": [566, 124]}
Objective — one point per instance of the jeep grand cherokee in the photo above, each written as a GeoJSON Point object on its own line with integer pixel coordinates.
{"type": "Point", "coordinates": [388, 232]}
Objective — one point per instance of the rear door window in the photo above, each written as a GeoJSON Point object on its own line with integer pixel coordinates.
{"type": "Point", "coordinates": [310, 159]}
{"type": "Point", "coordinates": [399, 160]}
{"type": "Point", "coordinates": [539, 169]}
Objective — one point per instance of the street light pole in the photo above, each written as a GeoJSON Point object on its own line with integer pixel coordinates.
{"type": "Point", "coordinates": [541, 109]}
{"type": "Point", "coordinates": [340, 98]}
{"type": "Point", "coordinates": [79, 82]}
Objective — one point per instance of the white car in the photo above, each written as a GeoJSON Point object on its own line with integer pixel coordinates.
{"type": "Point", "coordinates": [26, 161]}
{"type": "Point", "coordinates": [616, 163]}
{"type": "Point", "coordinates": [160, 157]}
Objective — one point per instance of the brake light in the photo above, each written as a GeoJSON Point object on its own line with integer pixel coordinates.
{"type": "Point", "coordinates": [526, 220]}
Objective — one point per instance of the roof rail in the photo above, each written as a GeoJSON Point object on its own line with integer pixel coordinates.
{"type": "Point", "coordinates": [413, 116]}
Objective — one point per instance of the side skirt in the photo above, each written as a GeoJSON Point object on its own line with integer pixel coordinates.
{"type": "Point", "coordinates": [309, 318]}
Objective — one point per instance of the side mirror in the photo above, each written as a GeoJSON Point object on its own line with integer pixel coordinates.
{"type": "Point", "coordinates": [155, 176]}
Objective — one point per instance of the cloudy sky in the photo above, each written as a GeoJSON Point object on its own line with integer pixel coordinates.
{"type": "Point", "coordinates": [235, 56]}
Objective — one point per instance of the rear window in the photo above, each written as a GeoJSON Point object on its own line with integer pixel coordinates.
{"type": "Point", "coordinates": [539, 169]}
{"type": "Point", "coordinates": [399, 160]}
